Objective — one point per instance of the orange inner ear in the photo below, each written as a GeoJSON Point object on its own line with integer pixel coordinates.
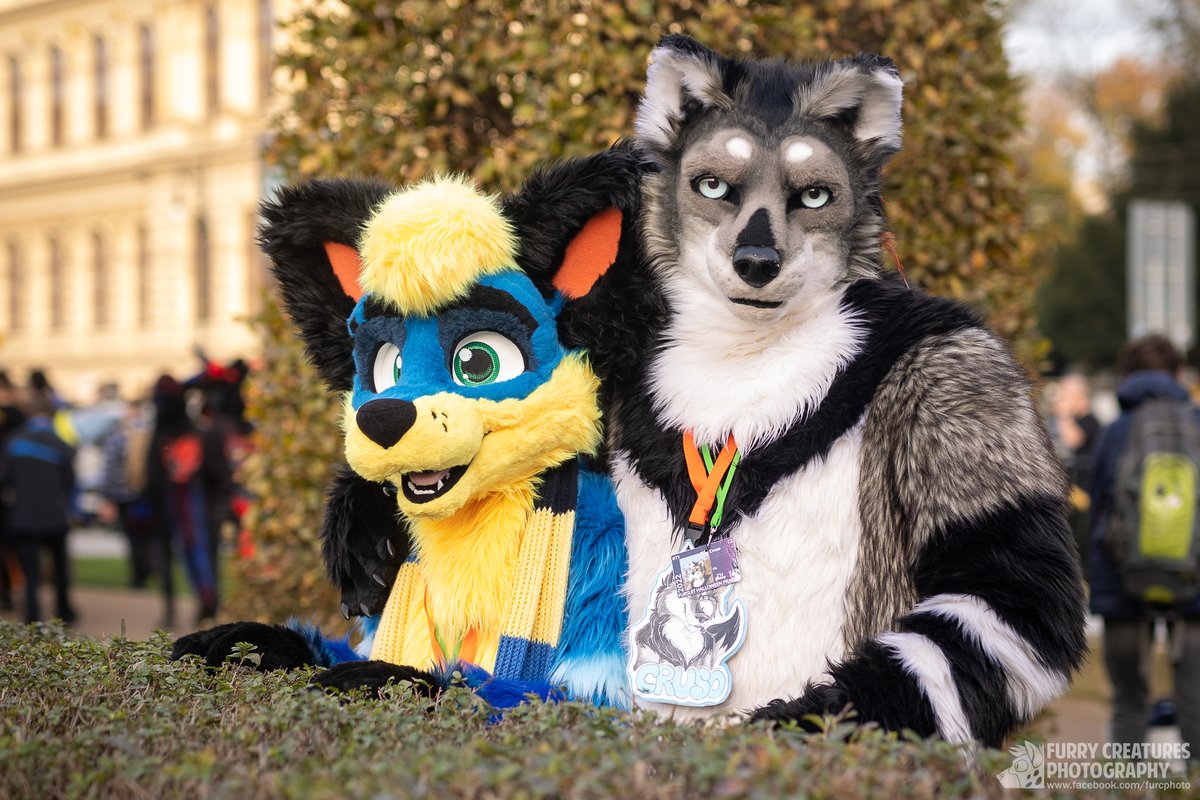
{"type": "Point", "coordinates": [590, 254]}
{"type": "Point", "coordinates": [346, 266]}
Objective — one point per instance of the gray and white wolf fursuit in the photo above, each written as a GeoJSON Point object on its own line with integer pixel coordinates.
{"type": "Point", "coordinates": [899, 512]}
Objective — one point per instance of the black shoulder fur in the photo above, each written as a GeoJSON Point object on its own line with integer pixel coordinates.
{"type": "Point", "coordinates": [297, 223]}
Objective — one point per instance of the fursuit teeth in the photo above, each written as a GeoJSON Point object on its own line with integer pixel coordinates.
{"type": "Point", "coordinates": [421, 487]}
{"type": "Point", "coordinates": [526, 647]}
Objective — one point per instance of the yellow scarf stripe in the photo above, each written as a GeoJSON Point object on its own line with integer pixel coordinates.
{"type": "Point", "coordinates": [403, 634]}
{"type": "Point", "coordinates": [558, 530]}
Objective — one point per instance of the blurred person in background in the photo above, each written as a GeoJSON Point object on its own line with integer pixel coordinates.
{"type": "Point", "coordinates": [1157, 418]}
{"type": "Point", "coordinates": [37, 475]}
{"type": "Point", "coordinates": [11, 417]}
{"type": "Point", "coordinates": [1076, 431]}
{"type": "Point", "coordinates": [40, 391]}
{"type": "Point", "coordinates": [124, 490]}
{"type": "Point", "coordinates": [186, 467]}
{"type": "Point", "coordinates": [222, 420]}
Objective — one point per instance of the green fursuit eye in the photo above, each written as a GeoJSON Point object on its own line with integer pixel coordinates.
{"type": "Point", "coordinates": [486, 357]}
{"type": "Point", "coordinates": [476, 364]}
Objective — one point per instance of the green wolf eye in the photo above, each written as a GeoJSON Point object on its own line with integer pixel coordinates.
{"type": "Point", "coordinates": [386, 369]}
{"type": "Point", "coordinates": [815, 197]}
{"type": "Point", "coordinates": [486, 357]}
{"type": "Point", "coordinates": [711, 187]}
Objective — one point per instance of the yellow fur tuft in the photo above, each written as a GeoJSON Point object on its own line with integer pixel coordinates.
{"type": "Point", "coordinates": [428, 244]}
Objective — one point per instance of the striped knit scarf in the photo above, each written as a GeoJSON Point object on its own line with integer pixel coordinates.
{"type": "Point", "coordinates": [525, 648]}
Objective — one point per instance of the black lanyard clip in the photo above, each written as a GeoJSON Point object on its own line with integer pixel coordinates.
{"type": "Point", "coordinates": [697, 535]}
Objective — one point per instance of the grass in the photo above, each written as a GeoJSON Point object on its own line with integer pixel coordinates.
{"type": "Point", "coordinates": [116, 573]}
{"type": "Point", "coordinates": [116, 719]}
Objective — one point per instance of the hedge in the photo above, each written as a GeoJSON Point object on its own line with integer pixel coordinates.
{"type": "Point", "coordinates": [116, 719]}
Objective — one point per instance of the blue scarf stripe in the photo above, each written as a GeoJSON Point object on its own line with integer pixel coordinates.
{"type": "Point", "coordinates": [521, 659]}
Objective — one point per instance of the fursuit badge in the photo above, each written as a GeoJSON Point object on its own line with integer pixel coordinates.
{"type": "Point", "coordinates": [680, 649]}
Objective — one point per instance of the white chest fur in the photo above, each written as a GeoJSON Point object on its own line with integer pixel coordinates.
{"type": "Point", "coordinates": [797, 554]}
{"type": "Point", "coordinates": [718, 374]}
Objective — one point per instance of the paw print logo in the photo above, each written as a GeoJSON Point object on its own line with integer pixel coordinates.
{"type": "Point", "coordinates": [1027, 770]}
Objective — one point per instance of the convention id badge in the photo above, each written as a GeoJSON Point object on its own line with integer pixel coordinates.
{"type": "Point", "coordinates": [705, 568]}
{"type": "Point", "coordinates": [679, 650]}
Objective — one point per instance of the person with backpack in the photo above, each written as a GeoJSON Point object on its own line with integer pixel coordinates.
{"type": "Point", "coordinates": [124, 488]}
{"type": "Point", "coordinates": [1144, 558]}
{"type": "Point", "coordinates": [37, 478]}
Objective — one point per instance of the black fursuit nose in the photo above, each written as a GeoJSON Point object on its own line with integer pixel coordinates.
{"type": "Point", "coordinates": [385, 421]}
{"type": "Point", "coordinates": [757, 266]}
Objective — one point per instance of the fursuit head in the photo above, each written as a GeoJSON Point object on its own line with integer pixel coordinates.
{"type": "Point", "coordinates": [898, 513]}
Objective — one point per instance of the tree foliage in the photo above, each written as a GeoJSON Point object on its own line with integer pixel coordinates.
{"type": "Point", "coordinates": [1082, 307]}
{"type": "Point", "coordinates": [493, 87]}
{"type": "Point", "coordinates": [1166, 161]}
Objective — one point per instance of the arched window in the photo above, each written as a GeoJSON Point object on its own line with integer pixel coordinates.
{"type": "Point", "coordinates": [266, 48]}
{"type": "Point", "coordinates": [99, 281]}
{"type": "Point", "coordinates": [212, 59]}
{"type": "Point", "coordinates": [15, 93]}
{"type": "Point", "coordinates": [146, 68]}
{"type": "Point", "coordinates": [203, 270]}
{"type": "Point", "coordinates": [16, 314]}
{"type": "Point", "coordinates": [58, 80]}
{"type": "Point", "coordinates": [101, 76]}
{"type": "Point", "coordinates": [143, 277]}
{"type": "Point", "coordinates": [57, 278]}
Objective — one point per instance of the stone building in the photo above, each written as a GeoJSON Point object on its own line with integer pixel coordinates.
{"type": "Point", "coordinates": [130, 171]}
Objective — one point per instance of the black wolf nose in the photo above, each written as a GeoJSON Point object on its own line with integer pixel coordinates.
{"type": "Point", "coordinates": [757, 266]}
{"type": "Point", "coordinates": [385, 421]}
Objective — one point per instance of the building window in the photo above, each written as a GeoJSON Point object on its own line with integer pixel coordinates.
{"type": "Point", "coordinates": [16, 314]}
{"type": "Point", "coordinates": [101, 49]}
{"type": "Point", "coordinates": [143, 277]}
{"type": "Point", "coordinates": [146, 62]}
{"type": "Point", "coordinates": [99, 281]}
{"type": "Point", "coordinates": [203, 270]}
{"type": "Point", "coordinates": [56, 284]}
{"type": "Point", "coordinates": [212, 59]}
{"type": "Point", "coordinates": [258, 275]}
{"type": "Point", "coordinates": [57, 95]}
{"type": "Point", "coordinates": [266, 48]}
{"type": "Point", "coordinates": [15, 122]}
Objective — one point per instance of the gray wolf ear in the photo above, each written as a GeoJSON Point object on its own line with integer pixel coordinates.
{"type": "Point", "coordinates": [865, 89]}
{"type": "Point", "coordinates": [682, 73]}
{"type": "Point", "coordinates": [310, 232]}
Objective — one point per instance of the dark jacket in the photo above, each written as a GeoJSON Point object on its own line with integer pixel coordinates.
{"type": "Point", "coordinates": [1108, 598]}
{"type": "Point", "coordinates": [38, 476]}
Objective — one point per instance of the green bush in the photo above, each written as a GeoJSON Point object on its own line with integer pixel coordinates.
{"type": "Point", "coordinates": [492, 87]}
{"type": "Point", "coordinates": [80, 718]}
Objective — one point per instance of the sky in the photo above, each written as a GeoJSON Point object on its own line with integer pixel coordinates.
{"type": "Point", "coordinates": [1081, 36]}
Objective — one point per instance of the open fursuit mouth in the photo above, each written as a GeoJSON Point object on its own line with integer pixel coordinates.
{"type": "Point", "coordinates": [421, 487]}
{"type": "Point", "coordinates": [745, 301]}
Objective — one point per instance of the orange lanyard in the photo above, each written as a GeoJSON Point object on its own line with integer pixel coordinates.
{"type": "Point", "coordinates": [705, 482]}
{"type": "Point", "coordinates": [466, 648]}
